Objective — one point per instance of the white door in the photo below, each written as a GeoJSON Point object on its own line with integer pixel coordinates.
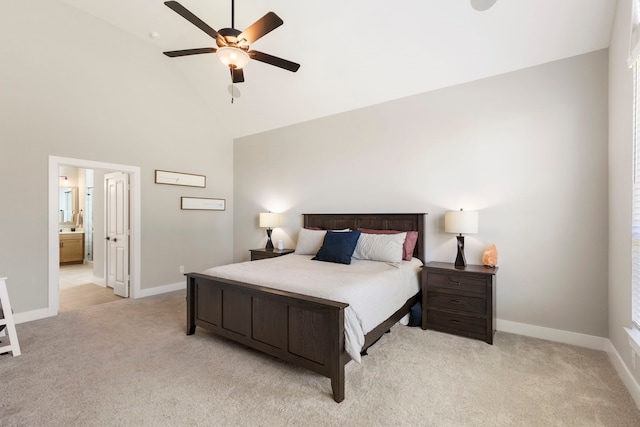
{"type": "Point", "coordinates": [117, 232]}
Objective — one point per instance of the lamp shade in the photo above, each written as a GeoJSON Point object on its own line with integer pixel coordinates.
{"type": "Point", "coordinates": [232, 56]}
{"type": "Point", "coordinates": [269, 220]}
{"type": "Point", "coordinates": [461, 222]}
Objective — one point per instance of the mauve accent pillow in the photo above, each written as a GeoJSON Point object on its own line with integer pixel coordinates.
{"type": "Point", "coordinates": [338, 247]}
{"type": "Point", "coordinates": [409, 242]}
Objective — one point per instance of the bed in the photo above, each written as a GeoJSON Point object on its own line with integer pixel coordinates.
{"type": "Point", "coordinates": [304, 330]}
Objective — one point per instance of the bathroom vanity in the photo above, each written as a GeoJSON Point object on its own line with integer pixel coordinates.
{"type": "Point", "coordinates": [71, 247]}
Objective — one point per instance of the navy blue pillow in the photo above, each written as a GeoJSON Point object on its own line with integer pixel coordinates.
{"type": "Point", "coordinates": [415, 318]}
{"type": "Point", "coordinates": [338, 246]}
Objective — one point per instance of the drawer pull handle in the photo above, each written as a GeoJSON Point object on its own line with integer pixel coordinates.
{"type": "Point", "coordinates": [451, 282]}
{"type": "Point", "coordinates": [455, 301]}
{"type": "Point", "coordinates": [455, 321]}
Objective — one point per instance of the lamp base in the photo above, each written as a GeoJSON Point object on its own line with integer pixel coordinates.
{"type": "Point", "coordinates": [269, 242]}
{"type": "Point", "coordinates": [461, 262]}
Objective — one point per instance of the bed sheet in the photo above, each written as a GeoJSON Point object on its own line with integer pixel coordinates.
{"type": "Point", "coordinates": [374, 290]}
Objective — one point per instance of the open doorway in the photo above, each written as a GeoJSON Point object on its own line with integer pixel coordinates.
{"type": "Point", "coordinates": [97, 253]}
{"type": "Point", "coordinates": [79, 285]}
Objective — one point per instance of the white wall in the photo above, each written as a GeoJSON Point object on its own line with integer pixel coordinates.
{"type": "Point", "coordinates": [528, 149]}
{"type": "Point", "coordinates": [74, 86]}
{"type": "Point", "coordinates": [620, 185]}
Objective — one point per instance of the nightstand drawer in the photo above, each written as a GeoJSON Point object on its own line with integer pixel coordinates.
{"type": "Point", "coordinates": [456, 302]}
{"type": "Point", "coordinates": [257, 254]}
{"type": "Point", "coordinates": [457, 323]}
{"type": "Point", "coordinates": [459, 301]}
{"type": "Point", "coordinates": [458, 282]}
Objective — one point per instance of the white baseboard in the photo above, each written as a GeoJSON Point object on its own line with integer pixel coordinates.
{"type": "Point", "coordinates": [98, 281]}
{"type": "Point", "coordinates": [29, 316]}
{"type": "Point", "coordinates": [582, 340]}
{"type": "Point", "coordinates": [624, 373]}
{"type": "Point", "coordinates": [573, 338]}
{"type": "Point", "coordinates": [142, 293]}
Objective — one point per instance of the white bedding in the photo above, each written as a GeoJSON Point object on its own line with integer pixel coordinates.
{"type": "Point", "coordinates": [374, 290]}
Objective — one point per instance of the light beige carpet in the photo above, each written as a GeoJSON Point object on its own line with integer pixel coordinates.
{"type": "Point", "coordinates": [129, 363]}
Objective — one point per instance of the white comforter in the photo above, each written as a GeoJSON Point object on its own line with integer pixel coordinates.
{"type": "Point", "coordinates": [374, 290]}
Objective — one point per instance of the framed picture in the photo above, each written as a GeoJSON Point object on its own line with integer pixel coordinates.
{"type": "Point", "coordinates": [179, 178]}
{"type": "Point", "coordinates": [202, 203]}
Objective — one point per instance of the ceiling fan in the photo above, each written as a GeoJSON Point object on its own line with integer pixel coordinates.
{"type": "Point", "coordinates": [233, 45]}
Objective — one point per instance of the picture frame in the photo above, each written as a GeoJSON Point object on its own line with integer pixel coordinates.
{"type": "Point", "coordinates": [202, 203]}
{"type": "Point", "coordinates": [180, 178]}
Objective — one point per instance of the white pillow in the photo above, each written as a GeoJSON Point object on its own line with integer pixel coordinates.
{"type": "Point", "coordinates": [309, 241]}
{"type": "Point", "coordinates": [380, 247]}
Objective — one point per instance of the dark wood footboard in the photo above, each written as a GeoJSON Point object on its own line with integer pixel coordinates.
{"type": "Point", "coordinates": [302, 330]}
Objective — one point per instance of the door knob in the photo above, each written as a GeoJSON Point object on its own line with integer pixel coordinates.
{"type": "Point", "coordinates": [115, 239]}
{"type": "Point", "coordinates": [108, 238]}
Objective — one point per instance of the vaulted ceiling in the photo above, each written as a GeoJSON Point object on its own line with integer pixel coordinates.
{"type": "Point", "coordinates": [355, 53]}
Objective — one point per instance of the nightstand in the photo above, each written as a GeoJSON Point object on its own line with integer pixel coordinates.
{"type": "Point", "coordinates": [257, 254]}
{"type": "Point", "coordinates": [459, 301]}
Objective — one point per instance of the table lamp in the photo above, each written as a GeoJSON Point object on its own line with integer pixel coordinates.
{"type": "Point", "coordinates": [461, 222]}
{"type": "Point", "coordinates": [269, 220]}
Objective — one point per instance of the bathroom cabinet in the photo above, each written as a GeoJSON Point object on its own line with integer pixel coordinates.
{"type": "Point", "coordinates": [71, 248]}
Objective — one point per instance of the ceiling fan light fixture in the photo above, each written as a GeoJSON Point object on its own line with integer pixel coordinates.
{"type": "Point", "coordinates": [232, 56]}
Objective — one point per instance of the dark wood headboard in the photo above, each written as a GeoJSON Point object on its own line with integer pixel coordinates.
{"type": "Point", "coordinates": [378, 221]}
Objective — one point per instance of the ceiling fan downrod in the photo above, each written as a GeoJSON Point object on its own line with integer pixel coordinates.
{"type": "Point", "coordinates": [233, 8]}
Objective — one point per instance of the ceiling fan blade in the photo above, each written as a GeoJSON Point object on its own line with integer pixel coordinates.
{"type": "Point", "coordinates": [185, 52]}
{"type": "Point", "coordinates": [262, 26]}
{"type": "Point", "coordinates": [237, 75]}
{"type": "Point", "coordinates": [273, 60]}
{"type": "Point", "coordinates": [182, 11]}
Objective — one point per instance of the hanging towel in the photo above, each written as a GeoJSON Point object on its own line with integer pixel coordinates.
{"type": "Point", "coordinates": [79, 219]}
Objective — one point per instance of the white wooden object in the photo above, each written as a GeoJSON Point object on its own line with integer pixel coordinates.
{"type": "Point", "coordinates": [14, 346]}
{"type": "Point", "coordinates": [117, 232]}
{"type": "Point", "coordinates": [202, 203]}
{"type": "Point", "coordinates": [179, 178]}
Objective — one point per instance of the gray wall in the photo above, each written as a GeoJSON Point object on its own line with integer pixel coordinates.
{"type": "Point", "coordinates": [528, 149]}
{"type": "Point", "coordinates": [74, 86]}
{"type": "Point", "coordinates": [620, 185]}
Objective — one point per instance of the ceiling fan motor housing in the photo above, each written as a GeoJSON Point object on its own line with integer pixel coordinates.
{"type": "Point", "coordinates": [229, 37]}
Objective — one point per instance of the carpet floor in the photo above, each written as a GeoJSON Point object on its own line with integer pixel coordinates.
{"type": "Point", "coordinates": [129, 363]}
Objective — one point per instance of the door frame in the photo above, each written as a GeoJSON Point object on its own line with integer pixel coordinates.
{"type": "Point", "coordinates": [134, 224]}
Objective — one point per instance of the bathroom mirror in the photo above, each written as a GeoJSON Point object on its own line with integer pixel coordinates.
{"type": "Point", "coordinates": [68, 203]}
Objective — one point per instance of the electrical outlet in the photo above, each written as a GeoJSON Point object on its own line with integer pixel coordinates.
{"type": "Point", "coordinates": [182, 269]}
